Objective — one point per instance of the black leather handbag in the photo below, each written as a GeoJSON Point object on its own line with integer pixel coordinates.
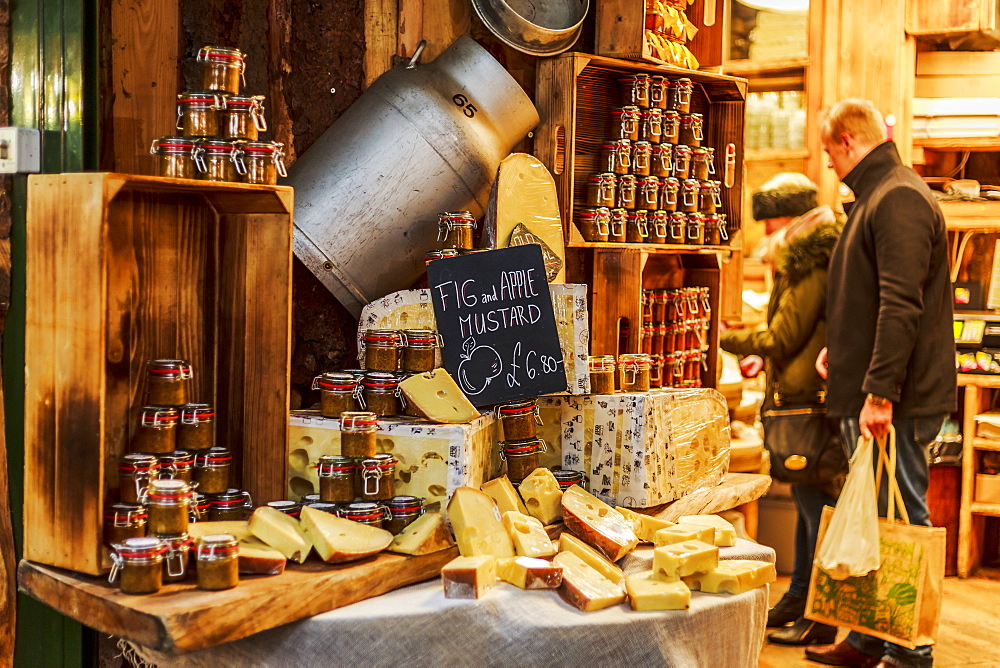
{"type": "Point", "coordinates": [804, 445]}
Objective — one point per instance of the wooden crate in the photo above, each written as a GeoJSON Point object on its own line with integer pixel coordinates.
{"type": "Point", "coordinates": [621, 26]}
{"type": "Point", "coordinates": [122, 269]}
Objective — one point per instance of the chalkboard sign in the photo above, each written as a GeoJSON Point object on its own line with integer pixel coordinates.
{"type": "Point", "coordinates": [494, 313]}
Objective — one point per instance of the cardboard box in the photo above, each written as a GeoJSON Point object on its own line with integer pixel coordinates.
{"type": "Point", "coordinates": [987, 488]}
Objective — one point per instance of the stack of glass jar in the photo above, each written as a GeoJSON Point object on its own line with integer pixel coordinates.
{"type": "Point", "coordinates": [675, 325]}
{"type": "Point", "coordinates": [219, 138]}
{"type": "Point", "coordinates": [656, 182]}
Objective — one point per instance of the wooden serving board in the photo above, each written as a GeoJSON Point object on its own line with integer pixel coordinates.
{"type": "Point", "coordinates": [183, 618]}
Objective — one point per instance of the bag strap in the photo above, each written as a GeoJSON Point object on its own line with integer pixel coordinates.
{"type": "Point", "coordinates": [888, 461]}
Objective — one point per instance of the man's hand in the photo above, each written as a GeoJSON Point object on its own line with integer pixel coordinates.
{"type": "Point", "coordinates": [875, 420]}
{"type": "Point", "coordinates": [822, 367]}
{"type": "Point", "coordinates": [751, 365]}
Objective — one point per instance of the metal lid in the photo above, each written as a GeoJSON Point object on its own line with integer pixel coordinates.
{"type": "Point", "coordinates": [221, 54]}
{"type": "Point", "coordinates": [177, 457]}
{"type": "Point", "coordinates": [128, 512]}
{"type": "Point", "coordinates": [144, 547]}
{"type": "Point", "coordinates": [286, 507]}
{"type": "Point", "coordinates": [536, 28]}
{"type": "Point", "coordinates": [195, 413]}
{"type": "Point", "coordinates": [169, 368]}
{"type": "Point", "coordinates": [361, 420]}
{"type": "Point", "coordinates": [383, 461]}
{"type": "Point", "coordinates": [138, 461]}
{"type": "Point", "coordinates": [335, 380]}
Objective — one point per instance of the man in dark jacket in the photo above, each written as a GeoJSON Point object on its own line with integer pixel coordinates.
{"type": "Point", "coordinates": [891, 350]}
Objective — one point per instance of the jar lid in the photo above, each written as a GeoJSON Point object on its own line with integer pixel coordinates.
{"type": "Point", "coordinates": [627, 109]}
{"type": "Point", "coordinates": [169, 368]}
{"type": "Point", "coordinates": [642, 145]}
{"type": "Point", "coordinates": [405, 504]}
{"type": "Point", "coordinates": [662, 148]}
{"type": "Point", "coordinates": [604, 176]}
{"type": "Point", "coordinates": [335, 380]}
{"type": "Point", "coordinates": [682, 148]}
{"type": "Point", "coordinates": [652, 111]}
{"type": "Point", "coordinates": [360, 420]}
{"type": "Point", "coordinates": [243, 100]}
{"type": "Point", "coordinates": [176, 541]}
{"type": "Point", "coordinates": [336, 462]}
{"type": "Point", "coordinates": [458, 215]}
{"type": "Point", "coordinates": [383, 461]}
{"type": "Point", "coordinates": [420, 337]}
{"type": "Point", "coordinates": [221, 544]}
{"type": "Point", "coordinates": [357, 373]}
{"type": "Point", "coordinates": [380, 379]}
{"type": "Point", "coordinates": [200, 99]}
{"type": "Point", "coordinates": [601, 363]}
{"type": "Point", "coordinates": [525, 446]}
{"type": "Point", "coordinates": [517, 408]}
{"type": "Point", "coordinates": [213, 457]}
{"type": "Point", "coordinates": [177, 458]}
{"type": "Point", "coordinates": [652, 180]}
{"type": "Point", "coordinates": [363, 511]}
{"type": "Point", "coordinates": [567, 478]}
{"type": "Point", "coordinates": [144, 547]}
{"type": "Point", "coordinates": [230, 497]}
{"type": "Point", "coordinates": [218, 146]}
{"type": "Point", "coordinates": [221, 54]}
{"type": "Point", "coordinates": [634, 358]}
{"type": "Point", "coordinates": [671, 182]}
{"type": "Point", "coordinates": [626, 178]}
{"type": "Point", "coordinates": [286, 507]}
{"type": "Point", "coordinates": [636, 77]}
{"type": "Point", "coordinates": [261, 147]}
{"type": "Point", "coordinates": [138, 462]}
{"type": "Point", "coordinates": [381, 336]}
{"type": "Point", "coordinates": [306, 499]}
{"type": "Point", "coordinates": [707, 185]}
{"type": "Point", "coordinates": [128, 512]}
{"type": "Point", "coordinates": [173, 145]}
{"type": "Point", "coordinates": [168, 488]}
{"type": "Point", "coordinates": [325, 506]}
{"type": "Point", "coordinates": [440, 254]}
{"type": "Point", "coordinates": [195, 413]}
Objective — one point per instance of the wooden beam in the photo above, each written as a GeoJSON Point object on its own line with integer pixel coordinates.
{"type": "Point", "coordinates": [382, 32]}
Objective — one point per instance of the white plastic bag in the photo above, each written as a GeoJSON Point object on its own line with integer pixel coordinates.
{"type": "Point", "coordinates": [850, 547]}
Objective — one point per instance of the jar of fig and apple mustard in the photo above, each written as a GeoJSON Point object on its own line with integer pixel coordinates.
{"type": "Point", "coordinates": [439, 254]}
{"type": "Point", "coordinates": [242, 117]}
{"type": "Point", "coordinates": [616, 156]}
{"type": "Point", "coordinates": [178, 157]}
{"type": "Point", "coordinates": [658, 92]}
{"type": "Point", "coordinates": [625, 192]}
{"type": "Point", "coordinates": [677, 227]}
{"type": "Point", "coordinates": [695, 229]}
{"type": "Point", "coordinates": [286, 507]}
{"type": "Point", "coordinates": [641, 156]}
{"type": "Point", "coordinates": [671, 127]}
{"type": "Point", "coordinates": [689, 196]}
{"type": "Point", "coordinates": [264, 161]}
{"type": "Point", "coordinates": [712, 235]}
{"type": "Point", "coordinates": [658, 300]}
{"type": "Point", "coordinates": [403, 510]}
{"type": "Point", "coordinates": [138, 564]}
{"type": "Point", "coordinates": [666, 371]}
{"type": "Point", "coordinates": [637, 227]}
{"type": "Point", "coordinates": [223, 160]}
{"type": "Point", "coordinates": [637, 89]}
{"type": "Point", "coordinates": [221, 69]}
{"type": "Point", "coordinates": [381, 349]}
{"type": "Point", "coordinates": [602, 374]}
{"type": "Point", "coordinates": [661, 160]}
{"type": "Point", "coordinates": [649, 192]}
{"type": "Point", "coordinates": [702, 162]}
{"type": "Point", "coordinates": [198, 114]}
{"type": "Point", "coordinates": [646, 340]}
{"type": "Point", "coordinates": [168, 506]}
{"type": "Point", "coordinates": [380, 393]}
{"type": "Point", "coordinates": [217, 558]}
{"type": "Point", "coordinates": [521, 457]}
{"type": "Point", "coordinates": [358, 433]}
{"type": "Point", "coordinates": [594, 223]}
{"type": "Point", "coordinates": [647, 307]}
{"type": "Point", "coordinates": [375, 481]}
{"type": "Point", "coordinates": [601, 190]}
{"type": "Point", "coordinates": [232, 504]}
{"type": "Point", "coordinates": [567, 478]}
{"type": "Point", "coordinates": [199, 507]}
{"type": "Point", "coordinates": [196, 429]}
{"type": "Point", "coordinates": [710, 196]}
{"type": "Point", "coordinates": [651, 129]}
{"type": "Point", "coordinates": [682, 162]}
{"type": "Point", "coordinates": [691, 130]}
{"type": "Point", "coordinates": [168, 382]}
{"type": "Point", "coordinates": [455, 229]}
{"type": "Point", "coordinates": [669, 192]}
{"type": "Point", "coordinates": [337, 392]}
{"type": "Point", "coordinates": [419, 346]}
{"type": "Point", "coordinates": [176, 465]}
{"type": "Point", "coordinates": [135, 470]}
{"type": "Point", "coordinates": [519, 419]}
{"type": "Point", "coordinates": [616, 228]}
{"type": "Point", "coordinates": [693, 361]}
{"type": "Point", "coordinates": [211, 470]}
{"type": "Point", "coordinates": [123, 521]}
{"type": "Point", "coordinates": [157, 430]}
{"type": "Point", "coordinates": [176, 558]}
{"type": "Point", "coordinates": [679, 95]}
{"type": "Point", "coordinates": [365, 512]}
{"type": "Point", "coordinates": [655, 371]}
{"type": "Point", "coordinates": [336, 479]}
{"type": "Point", "coordinates": [635, 370]}
{"type": "Point", "coordinates": [625, 122]}
{"type": "Point", "coordinates": [657, 335]}
{"type": "Point", "coordinates": [658, 226]}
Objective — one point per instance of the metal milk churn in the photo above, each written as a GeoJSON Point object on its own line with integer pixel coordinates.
{"type": "Point", "coordinates": [421, 140]}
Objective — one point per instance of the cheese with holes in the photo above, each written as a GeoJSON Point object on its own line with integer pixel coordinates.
{"type": "Point", "coordinates": [725, 532]}
{"type": "Point", "coordinates": [733, 576]}
{"type": "Point", "coordinates": [590, 556]}
{"type": "Point", "coordinates": [255, 556]}
{"type": "Point", "coordinates": [646, 592]}
{"type": "Point", "coordinates": [282, 532]}
{"type": "Point", "coordinates": [682, 532]}
{"type": "Point", "coordinates": [530, 573]}
{"type": "Point", "coordinates": [428, 533]}
{"type": "Point", "coordinates": [528, 535]}
{"type": "Point", "coordinates": [469, 577]}
{"type": "Point", "coordinates": [542, 496]}
{"type": "Point", "coordinates": [437, 397]}
{"type": "Point", "coordinates": [597, 524]}
{"type": "Point", "coordinates": [503, 493]}
{"type": "Point", "coordinates": [478, 527]}
{"type": "Point", "coordinates": [338, 540]}
{"type": "Point", "coordinates": [672, 562]}
{"type": "Point", "coordinates": [583, 587]}
{"type": "Point", "coordinates": [644, 525]}
{"type": "Point", "coordinates": [238, 529]}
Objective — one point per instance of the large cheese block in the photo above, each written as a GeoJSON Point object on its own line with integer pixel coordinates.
{"type": "Point", "coordinates": [433, 459]}
{"type": "Point", "coordinates": [570, 543]}
{"type": "Point", "coordinates": [468, 577]}
{"type": "Point", "coordinates": [530, 573]}
{"type": "Point", "coordinates": [644, 525]}
{"type": "Point", "coordinates": [672, 562]}
{"type": "Point", "coordinates": [255, 556]}
{"type": "Point", "coordinates": [725, 532]}
{"type": "Point", "coordinates": [437, 397]}
{"type": "Point", "coordinates": [646, 592]}
{"type": "Point", "coordinates": [528, 535]}
{"type": "Point", "coordinates": [733, 576]}
{"type": "Point", "coordinates": [503, 493]}
{"type": "Point", "coordinates": [642, 449]}
{"type": "Point", "coordinates": [239, 529]}
{"type": "Point", "coordinates": [583, 587]}
{"type": "Point", "coordinates": [282, 532]}
{"type": "Point", "coordinates": [428, 533]}
{"type": "Point", "coordinates": [597, 524]}
{"type": "Point", "coordinates": [338, 540]}
{"type": "Point", "coordinates": [542, 496]}
{"type": "Point", "coordinates": [680, 533]}
{"type": "Point", "coordinates": [477, 524]}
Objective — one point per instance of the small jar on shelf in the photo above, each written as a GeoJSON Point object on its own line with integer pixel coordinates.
{"type": "Point", "coordinates": [649, 191]}
{"type": "Point", "coordinates": [635, 370]}
{"type": "Point", "coordinates": [625, 122]}
{"type": "Point", "coordinates": [602, 374]}
{"type": "Point", "coordinates": [381, 349]}
{"type": "Point", "coordinates": [642, 158]}
{"type": "Point", "coordinates": [658, 226]}
{"type": "Point", "coordinates": [669, 191]}
{"type": "Point", "coordinates": [168, 382]}
{"type": "Point", "coordinates": [455, 230]}
{"type": "Point", "coordinates": [601, 190]}
{"type": "Point", "coordinates": [682, 162]}
{"type": "Point", "coordinates": [637, 89]}
{"type": "Point", "coordinates": [616, 229]}
{"type": "Point", "coordinates": [691, 130]}
{"type": "Point", "coordinates": [138, 565]}
{"type": "Point", "coordinates": [661, 162]}
{"type": "Point", "coordinates": [651, 129]}
{"type": "Point", "coordinates": [637, 227]}
{"type": "Point", "coordinates": [625, 192]}
{"type": "Point", "coordinates": [695, 229]}
{"type": "Point", "coordinates": [157, 430]}
{"type": "Point", "coordinates": [221, 68]}
{"type": "Point", "coordinates": [594, 223]}
{"type": "Point", "coordinates": [336, 479]}
{"type": "Point", "coordinates": [196, 430]}
{"type": "Point", "coordinates": [337, 392]}
{"type": "Point", "coordinates": [671, 128]}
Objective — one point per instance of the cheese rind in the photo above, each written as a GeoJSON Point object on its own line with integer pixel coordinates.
{"type": "Point", "coordinates": [528, 535]}
{"type": "Point", "coordinates": [733, 576]}
{"type": "Point", "coordinates": [590, 556]}
{"type": "Point", "coordinates": [583, 587]}
{"type": "Point", "coordinates": [282, 532]}
{"type": "Point", "coordinates": [468, 577]}
{"type": "Point", "coordinates": [597, 524]}
{"type": "Point", "coordinates": [542, 495]}
{"type": "Point", "coordinates": [428, 533]}
{"type": "Point", "coordinates": [503, 493]}
{"type": "Point", "coordinates": [529, 573]}
{"type": "Point", "coordinates": [644, 525]}
{"type": "Point", "coordinates": [683, 532]}
{"type": "Point", "coordinates": [338, 540]}
{"type": "Point", "coordinates": [725, 532]}
{"type": "Point", "coordinates": [646, 592]}
{"type": "Point", "coordinates": [476, 522]}
{"type": "Point", "coordinates": [672, 562]}
{"type": "Point", "coordinates": [437, 397]}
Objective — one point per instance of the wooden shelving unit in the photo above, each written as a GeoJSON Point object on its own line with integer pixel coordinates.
{"type": "Point", "coordinates": [979, 393]}
{"type": "Point", "coordinates": [957, 143]}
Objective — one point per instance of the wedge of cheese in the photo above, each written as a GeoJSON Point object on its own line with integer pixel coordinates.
{"type": "Point", "coordinates": [338, 540]}
{"type": "Point", "coordinates": [644, 525]}
{"type": "Point", "coordinates": [282, 532]}
{"type": "Point", "coordinates": [255, 556]}
{"type": "Point", "coordinates": [476, 522]}
{"type": "Point", "coordinates": [725, 532]}
{"type": "Point", "coordinates": [529, 573]}
{"type": "Point", "coordinates": [590, 556]}
{"type": "Point", "coordinates": [528, 535]}
{"type": "Point", "coordinates": [542, 496]}
{"type": "Point", "coordinates": [503, 493]}
{"type": "Point", "coordinates": [683, 532]}
{"type": "Point", "coordinates": [583, 587]}
{"type": "Point", "coordinates": [672, 562]}
{"type": "Point", "coordinates": [428, 533]}
{"type": "Point", "coordinates": [733, 576]}
{"type": "Point", "coordinates": [597, 524]}
{"type": "Point", "coordinates": [437, 397]}
{"type": "Point", "coordinates": [646, 592]}
{"type": "Point", "coordinates": [468, 577]}
{"type": "Point", "coordinates": [239, 529]}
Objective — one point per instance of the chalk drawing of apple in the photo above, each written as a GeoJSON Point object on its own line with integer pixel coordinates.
{"type": "Point", "coordinates": [479, 366]}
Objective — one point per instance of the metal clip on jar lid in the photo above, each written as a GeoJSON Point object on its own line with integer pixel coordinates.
{"type": "Point", "coordinates": [372, 469]}
{"type": "Point", "coordinates": [567, 478]}
{"type": "Point", "coordinates": [159, 417]}
{"type": "Point", "coordinates": [268, 150]}
{"type": "Point", "coordinates": [197, 413]}
{"type": "Point", "coordinates": [601, 363]}
{"type": "Point", "coordinates": [174, 146]}
{"type": "Point", "coordinates": [335, 466]}
{"type": "Point", "coordinates": [365, 420]}
{"type": "Point", "coordinates": [421, 338]}
{"type": "Point", "coordinates": [138, 462]}
{"type": "Point", "coordinates": [527, 446]}
{"type": "Point", "coordinates": [638, 361]}
{"type": "Point", "coordinates": [252, 104]}
{"type": "Point", "coordinates": [364, 512]}
{"type": "Point", "coordinates": [169, 369]}
{"type": "Point", "coordinates": [124, 514]}
{"type": "Point", "coordinates": [335, 381]}
{"type": "Point", "coordinates": [148, 549]}
{"type": "Point", "coordinates": [405, 505]}
{"type": "Point", "coordinates": [440, 254]}
{"type": "Point", "coordinates": [176, 458]}
{"type": "Point", "coordinates": [292, 508]}
{"type": "Point", "coordinates": [230, 499]}
{"type": "Point", "coordinates": [519, 409]}
{"type": "Point", "coordinates": [215, 457]}
{"type": "Point", "coordinates": [216, 546]}
{"type": "Point", "coordinates": [385, 338]}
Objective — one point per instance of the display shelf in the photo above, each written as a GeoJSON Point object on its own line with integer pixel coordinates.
{"type": "Point", "coordinates": [668, 249]}
{"type": "Point", "coordinates": [986, 444]}
{"type": "Point", "coordinates": [971, 216]}
{"type": "Point", "coordinates": [776, 154]}
{"type": "Point", "coordinates": [978, 380]}
{"type": "Point", "coordinates": [621, 31]}
{"type": "Point", "coordinates": [957, 143]}
{"type": "Point", "coordinates": [764, 68]}
{"type": "Point", "coordinates": [980, 508]}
